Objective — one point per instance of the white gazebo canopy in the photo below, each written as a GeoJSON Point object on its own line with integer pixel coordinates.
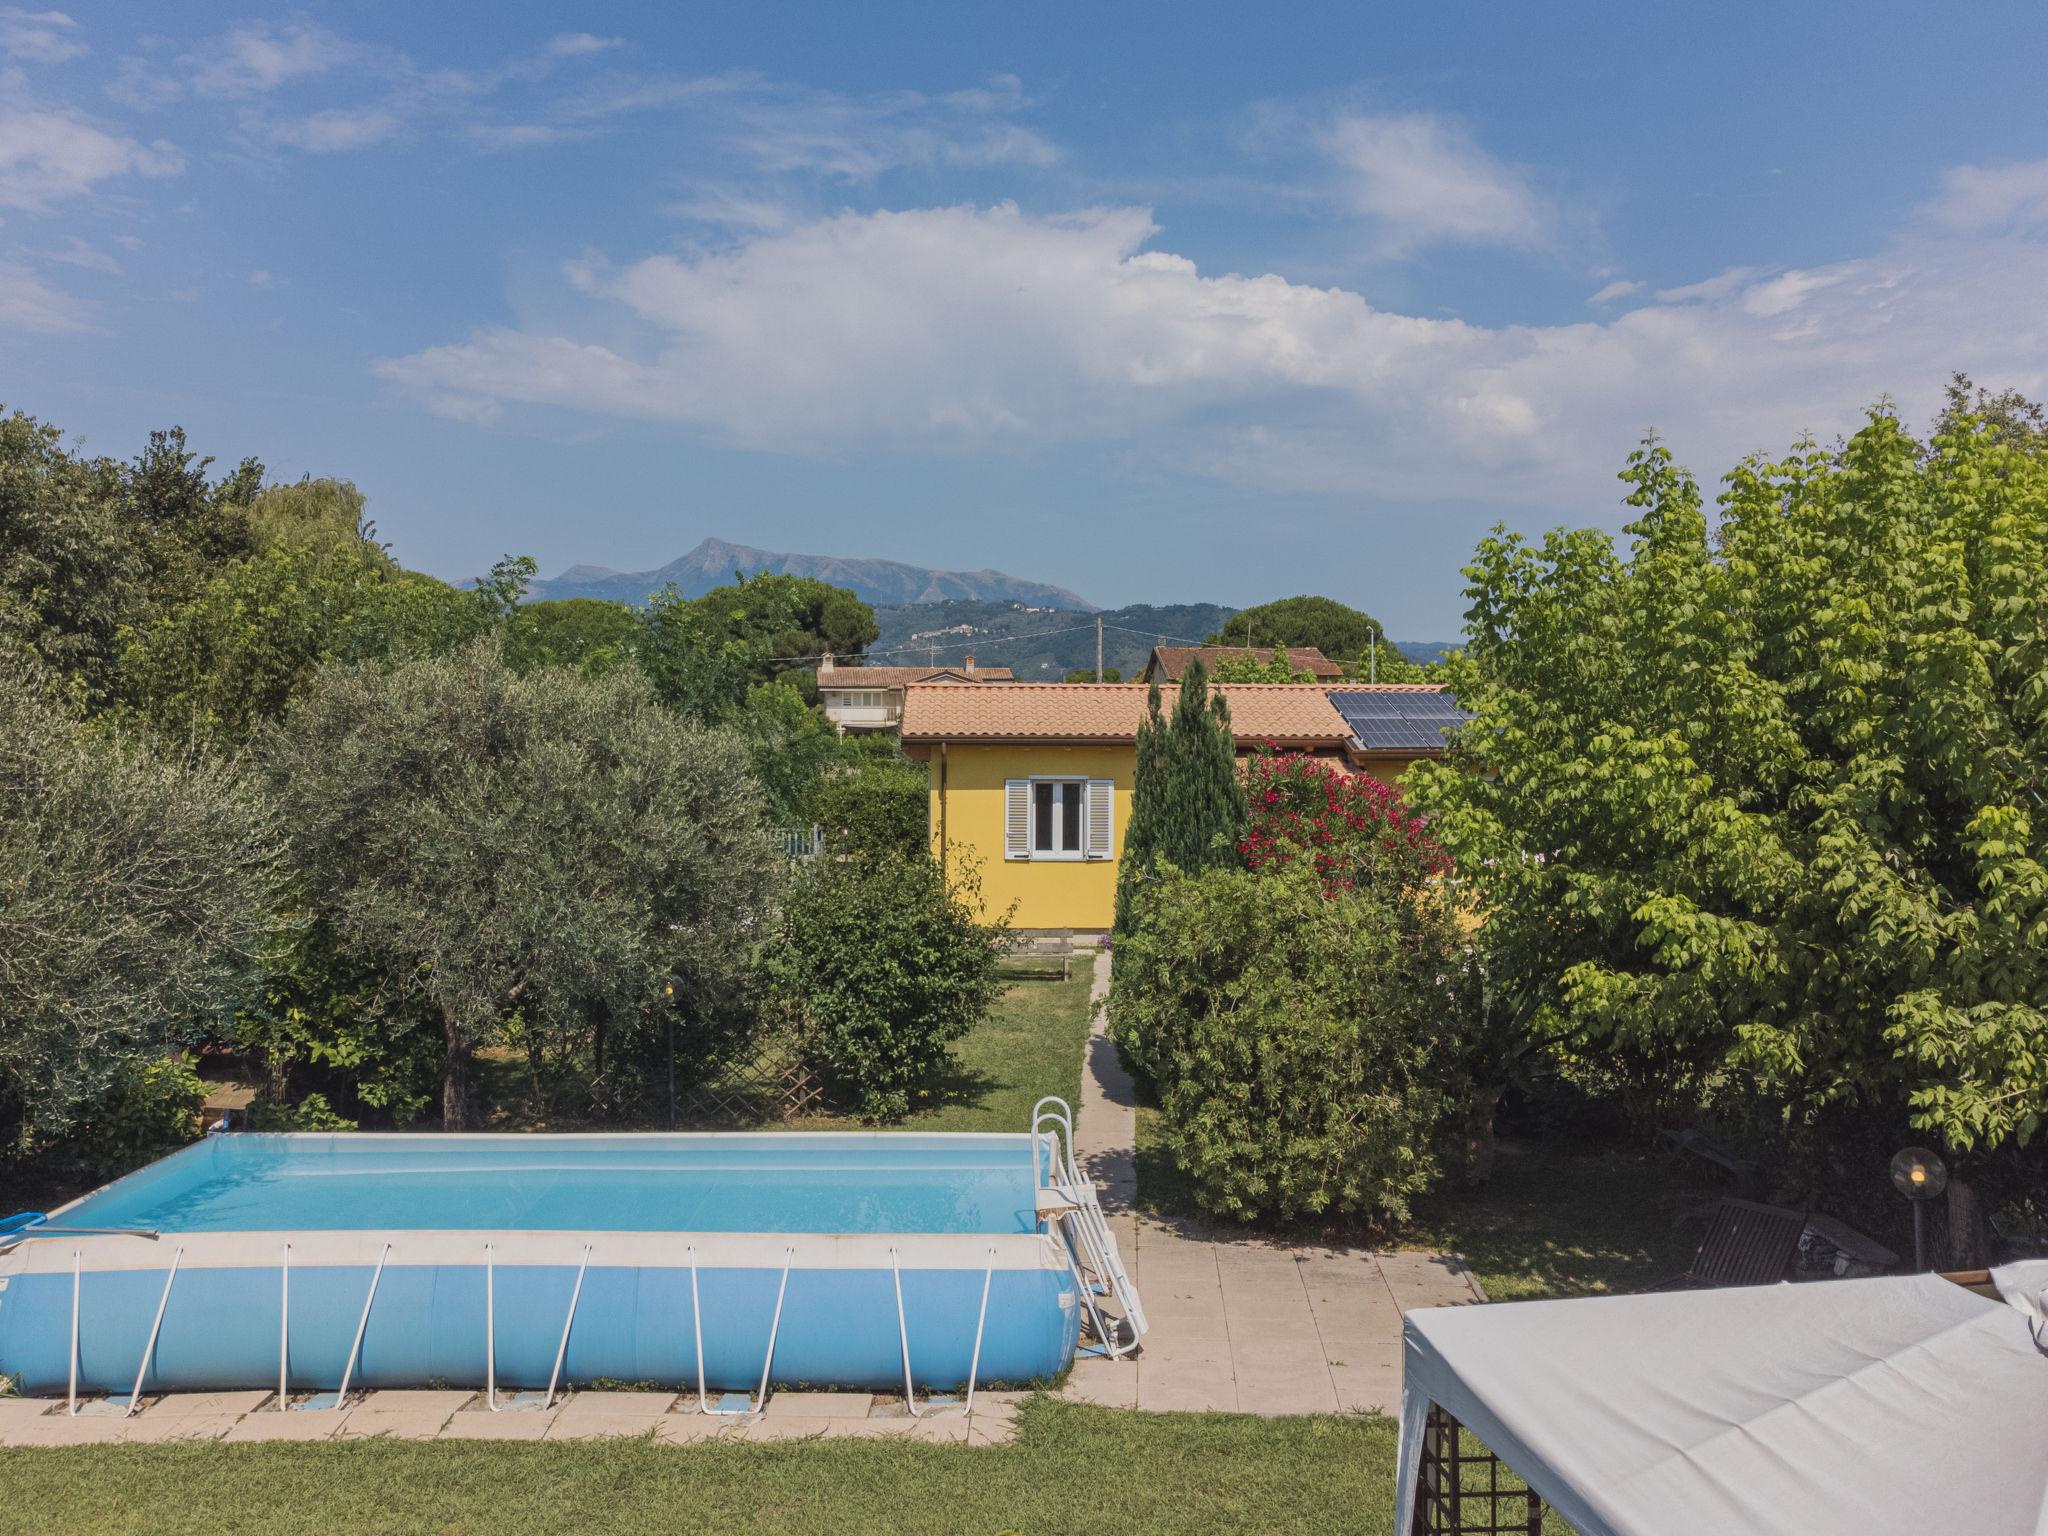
{"type": "Point", "coordinates": [1838, 1408]}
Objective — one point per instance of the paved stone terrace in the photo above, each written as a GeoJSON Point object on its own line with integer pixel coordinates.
{"type": "Point", "coordinates": [1240, 1324]}
{"type": "Point", "coordinates": [458, 1415]}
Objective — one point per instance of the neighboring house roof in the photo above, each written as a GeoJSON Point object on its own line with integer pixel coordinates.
{"type": "Point", "coordinates": [1285, 713]}
{"type": "Point", "coordinates": [1170, 661]}
{"type": "Point", "coordinates": [1402, 719]}
{"type": "Point", "coordinates": [897, 677]}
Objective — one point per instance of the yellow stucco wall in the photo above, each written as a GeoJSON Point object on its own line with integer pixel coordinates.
{"type": "Point", "coordinates": [1049, 894]}
{"type": "Point", "coordinates": [1059, 894]}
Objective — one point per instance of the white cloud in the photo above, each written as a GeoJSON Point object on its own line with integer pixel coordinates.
{"type": "Point", "coordinates": [949, 329]}
{"type": "Point", "coordinates": [262, 279]}
{"type": "Point", "coordinates": [338, 128]}
{"type": "Point", "coordinates": [1423, 181]}
{"type": "Point", "coordinates": [49, 154]}
{"type": "Point", "coordinates": [1618, 289]}
{"type": "Point", "coordinates": [1991, 197]}
{"type": "Point", "coordinates": [42, 37]}
{"type": "Point", "coordinates": [571, 45]}
{"type": "Point", "coordinates": [78, 253]}
{"type": "Point", "coordinates": [27, 303]}
{"type": "Point", "coordinates": [257, 58]}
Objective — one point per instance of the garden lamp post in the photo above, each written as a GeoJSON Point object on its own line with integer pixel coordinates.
{"type": "Point", "coordinates": [1919, 1175]}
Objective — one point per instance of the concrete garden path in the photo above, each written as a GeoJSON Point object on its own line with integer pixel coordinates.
{"type": "Point", "coordinates": [1241, 1324]}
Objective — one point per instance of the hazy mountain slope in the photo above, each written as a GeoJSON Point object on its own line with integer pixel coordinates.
{"type": "Point", "coordinates": [714, 562]}
{"type": "Point", "coordinates": [1040, 644]}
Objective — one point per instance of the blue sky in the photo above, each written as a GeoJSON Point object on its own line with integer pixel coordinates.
{"type": "Point", "coordinates": [1161, 303]}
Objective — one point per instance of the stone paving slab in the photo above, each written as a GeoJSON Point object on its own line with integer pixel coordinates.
{"type": "Point", "coordinates": [820, 1405]}
{"type": "Point", "coordinates": [584, 1405]}
{"type": "Point", "coordinates": [482, 1424]}
{"type": "Point", "coordinates": [148, 1429]}
{"type": "Point", "coordinates": [206, 1405]}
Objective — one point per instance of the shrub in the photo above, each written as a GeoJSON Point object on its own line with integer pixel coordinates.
{"type": "Point", "coordinates": [1309, 1049]}
{"type": "Point", "coordinates": [1187, 806]}
{"type": "Point", "coordinates": [883, 964]}
{"type": "Point", "coordinates": [1351, 827]}
{"type": "Point", "coordinates": [312, 1113]}
{"type": "Point", "coordinates": [881, 806]}
{"type": "Point", "coordinates": [151, 1110]}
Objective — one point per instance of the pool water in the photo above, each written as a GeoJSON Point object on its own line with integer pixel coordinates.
{"type": "Point", "coordinates": [813, 1183]}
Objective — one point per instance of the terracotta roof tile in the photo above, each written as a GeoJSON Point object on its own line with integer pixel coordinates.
{"type": "Point", "coordinates": [1288, 713]}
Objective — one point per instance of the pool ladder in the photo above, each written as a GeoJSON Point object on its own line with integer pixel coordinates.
{"type": "Point", "coordinates": [1076, 1212]}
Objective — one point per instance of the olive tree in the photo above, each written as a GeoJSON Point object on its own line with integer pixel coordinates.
{"type": "Point", "coordinates": [548, 851]}
{"type": "Point", "coordinates": [136, 891]}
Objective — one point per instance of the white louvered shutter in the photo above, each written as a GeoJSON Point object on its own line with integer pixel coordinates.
{"type": "Point", "coordinates": [1101, 809]}
{"type": "Point", "coordinates": [1016, 818]}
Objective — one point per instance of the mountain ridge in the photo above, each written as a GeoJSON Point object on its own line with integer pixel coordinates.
{"type": "Point", "coordinates": [714, 563]}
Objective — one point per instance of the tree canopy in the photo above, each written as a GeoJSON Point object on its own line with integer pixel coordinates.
{"type": "Point", "coordinates": [549, 848]}
{"type": "Point", "coordinates": [1346, 635]}
{"type": "Point", "coordinates": [1187, 808]}
{"type": "Point", "coordinates": [1767, 800]}
{"type": "Point", "coordinates": [136, 891]}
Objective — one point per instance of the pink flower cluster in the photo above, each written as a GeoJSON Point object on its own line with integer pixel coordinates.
{"type": "Point", "coordinates": [1344, 822]}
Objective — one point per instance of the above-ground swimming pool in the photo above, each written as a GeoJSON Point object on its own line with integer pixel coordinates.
{"type": "Point", "coordinates": [726, 1260]}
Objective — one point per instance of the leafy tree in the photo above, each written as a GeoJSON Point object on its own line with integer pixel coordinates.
{"type": "Point", "coordinates": [587, 633]}
{"type": "Point", "coordinates": [883, 963]}
{"type": "Point", "coordinates": [1254, 668]}
{"type": "Point", "coordinates": [1769, 804]}
{"type": "Point", "coordinates": [790, 745]}
{"type": "Point", "coordinates": [703, 654]}
{"type": "Point", "coordinates": [188, 525]}
{"type": "Point", "coordinates": [1308, 1048]}
{"type": "Point", "coordinates": [1344, 634]}
{"type": "Point", "coordinates": [551, 852]}
{"type": "Point", "coordinates": [254, 635]}
{"type": "Point", "coordinates": [1087, 675]}
{"type": "Point", "coordinates": [70, 575]}
{"type": "Point", "coordinates": [882, 805]}
{"type": "Point", "coordinates": [135, 894]}
{"type": "Point", "coordinates": [1187, 807]}
{"type": "Point", "coordinates": [312, 514]}
{"type": "Point", "coordinates": [2007, 417]}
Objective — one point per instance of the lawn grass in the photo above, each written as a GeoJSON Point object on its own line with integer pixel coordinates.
{"type": "Point", "coordinates": [1072, 1468]}
{"type": "Point", "coordinates": [1031, 1045]}
{"type": "Point", "coordinates": [1559, 1221]}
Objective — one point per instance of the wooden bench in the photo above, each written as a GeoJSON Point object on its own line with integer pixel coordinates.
{"type": "Point", "coordinates": [1036, 951]}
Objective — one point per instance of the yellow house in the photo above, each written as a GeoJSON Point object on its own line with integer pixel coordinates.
{"type": "Point", "coordinates": [1033, 780]}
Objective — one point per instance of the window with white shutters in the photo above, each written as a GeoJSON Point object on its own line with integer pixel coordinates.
{"type": "Point", "coordinates": [1058, 819]}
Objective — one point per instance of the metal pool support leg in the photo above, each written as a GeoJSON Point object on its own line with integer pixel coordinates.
{"type": "Point", "coordinates": [155, 1327]}
{"type": "Point", "coordinates": [980, 1325]}
{"type": "Point", "coordinates": [562, 1349]}
{"type": "Point", "coordinates": [284, 1330]}
{"type": "Point", "coordinates": [362, 1325]}
{"type": "Point", "coordinates": [490, 1332]}
{"type": "Point", "coordinates": [774, 1328]}
{"type": "Point", "coordinates": [71, 1395]}
{"type": "Point", "coordinates": [903, 1333]}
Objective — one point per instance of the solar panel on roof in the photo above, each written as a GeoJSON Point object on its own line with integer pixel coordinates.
{"type": "Point", "coordinates": [1394, 722]}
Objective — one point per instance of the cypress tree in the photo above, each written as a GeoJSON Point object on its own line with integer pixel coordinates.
{"type": "Point", "coordinates": [1187, 804]}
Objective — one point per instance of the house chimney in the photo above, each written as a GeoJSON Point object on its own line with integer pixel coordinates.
{"type": "Point", "coordinates": [970, 665]}
{"type": "Point", "coordinates": [825, 662]}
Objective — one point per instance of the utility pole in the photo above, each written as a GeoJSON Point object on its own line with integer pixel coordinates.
{"type": "Point", "coordinates": [1098, 647]}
